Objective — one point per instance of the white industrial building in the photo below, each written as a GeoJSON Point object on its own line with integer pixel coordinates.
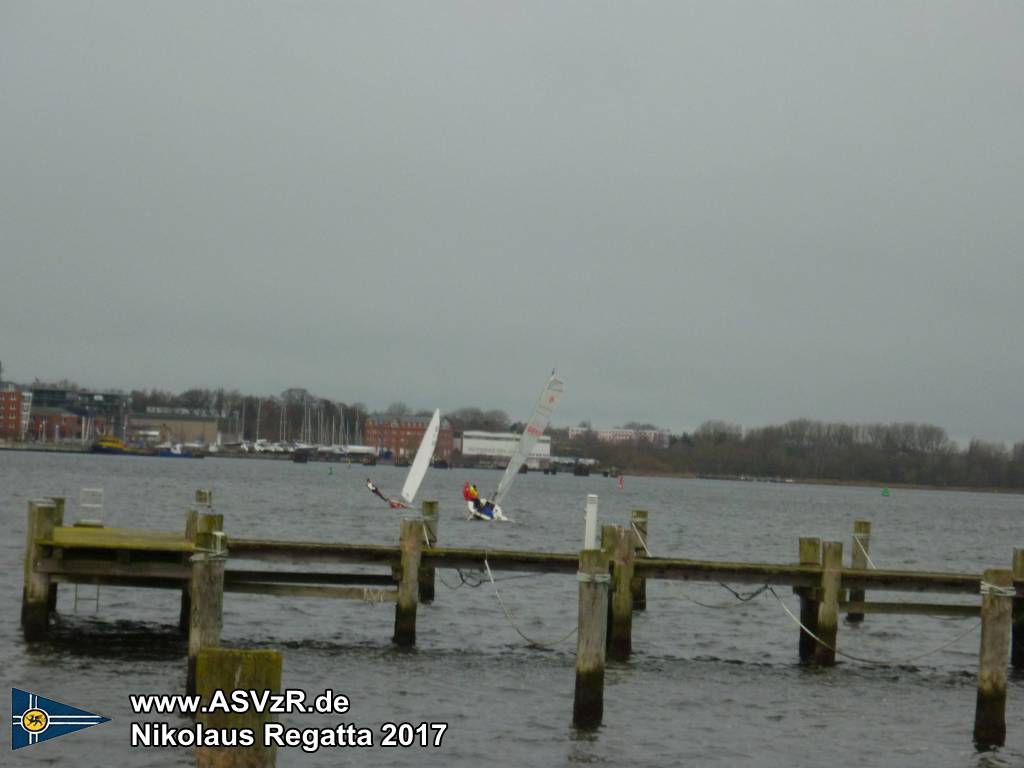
{"type": "Point", "coordinates": [499, 447]}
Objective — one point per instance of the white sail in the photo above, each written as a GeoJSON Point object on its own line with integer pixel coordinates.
{"type": "Point", "coordinates": [422, 461]}
{"type": "Point", "coordinates": [534, 429]}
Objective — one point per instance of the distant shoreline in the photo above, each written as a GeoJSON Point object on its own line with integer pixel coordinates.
{"type": "Point", "coordinates": [53, 449]}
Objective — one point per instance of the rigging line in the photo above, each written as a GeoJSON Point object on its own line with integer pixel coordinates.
{"type": "Point", "coordinates": [510, 620]}
{"type": "Point", "coordinates": [642, 540]}
{"type": "Point", "coordinates": [895, 662]}
{"type": "Point", "coordinates": [856, 538]}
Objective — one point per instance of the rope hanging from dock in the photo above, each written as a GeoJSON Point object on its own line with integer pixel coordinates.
{"type": "Point", "coordinates": [857, 539]}
{"type": "Point", "coordinates": [508, 616]}
{"type": "Point", "coordinates": [996, 590]}
{"type": "Point", "coordinates": [884, 662]}
{"type": "Point", "coordinates": [643, 541]}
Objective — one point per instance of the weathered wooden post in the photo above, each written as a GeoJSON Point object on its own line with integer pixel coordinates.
{"type": "Point", "coordinates": [426, 574]}
{"type": "Point", "coordinates": [618, 545]}
{"type": "Point", "coordinates": [35, 596]}
{"type": "Point", "coordinates": [588, 700]}
{"type": "Point", "coordinates": [1017, 652]}
{"type": "Point", "coordinates": [828, 609]}
{"type": "Point", "coordinates": [227, 670]}
{"type": "Point", "coordinates": [810, 554]}
{"type": "Point", "coordinates": [206, 593]}
{"type": "Point", "coordinates": [859, 560]}
{"type": "Point", "coordinates": [996, 612]}
{"type": "Point", "coordinates": [58, 520]}
{"type": "Point", "coordinates": [639, 523]}
{"type": "Point", "coordinates": [411, 546]}
{"type": "Point", "coordinates": [191, 520]}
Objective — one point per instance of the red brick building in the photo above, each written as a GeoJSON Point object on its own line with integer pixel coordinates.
{"type": "Point", "coordinates": [48, 425]}
{"type": "Point", "coordinates": [401, 435]}
{"type": "Point", "coordinates": [15, 407]}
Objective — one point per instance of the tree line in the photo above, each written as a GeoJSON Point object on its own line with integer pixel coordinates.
{"type": "Point", "coordinates": [906, 452]}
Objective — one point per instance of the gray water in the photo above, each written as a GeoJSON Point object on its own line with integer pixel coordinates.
{"type": "Point", "coordinates": [716, 686]}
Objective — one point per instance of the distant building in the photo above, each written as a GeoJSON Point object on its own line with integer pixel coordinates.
{"type": "Point", "coordinates": [15, 410]}
{"type": "Point", "coordinates": [401, 435]}
{"type": "Point", "coordinates": [499, 447]}
{"type": "Point", "coordinates": [172, 426]}
{"type": "Point", "coordinates": [109, 408]}
{"type": "Point", "coordinates": [51, 425]}
{"type": "Point", "coordinates": [658, 437]}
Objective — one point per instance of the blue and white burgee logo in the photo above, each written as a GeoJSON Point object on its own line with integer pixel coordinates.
{"type": "Point", "coordinates": [36, 719]}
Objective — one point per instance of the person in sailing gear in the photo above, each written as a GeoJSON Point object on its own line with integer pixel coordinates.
{"type": "Point", "coordinates": [376, 492]}
{"type": "Point", "coordinates": [472, 495]}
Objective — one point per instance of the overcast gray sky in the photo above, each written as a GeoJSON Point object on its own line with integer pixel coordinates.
{"type": "Point", "coordinates": [749, 211]}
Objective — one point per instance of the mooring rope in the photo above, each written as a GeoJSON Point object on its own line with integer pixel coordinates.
{"type": "Point", "coordinates": [862, 659]}
{"type": "Point", "coordinates": [508, 616]}
{"type": "Point", "coordinates": [996, 590]}
{"type": "Point", "coordinates": [857, 540]}
{"type": "Point", "coordinates": [643, 541]}
{"type": "Point", "coordinates": [731, 604]}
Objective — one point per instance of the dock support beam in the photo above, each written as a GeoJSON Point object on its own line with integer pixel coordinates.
{"type": "Point", "coordinates": [58, 520]}
{"type": "Point", "coordinates": [1017, 652]}
{"type": "Point", "coordinates": [35, 598]}
{"type": "Point", "coordinates": [618, 545]}
{"type": "Point", "coordinates": [828, 609]}
{"type": "Point", "coordinates": [859, 561]}
{"type": "Point", "coordinates": [184, 615]}
{"type": "Point", "coordinates": [810, 554]}
{"type": "Point", "coordinates": [588, 700]}
{"type": "Point", "coordinates": [411, 546]}
{"type": "Point", "coordinates": [639, 523]}
{"type": "Point", "coordinates": [996, 611]}
{"type": "Point", "coordinates": [426, 575]}
{"type": "Point", "coordinates": [206, 587]}
{"type": "Point", "coordinates": [223, 669]}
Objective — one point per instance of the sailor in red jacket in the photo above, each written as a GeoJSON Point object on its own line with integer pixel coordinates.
{"type": "Point", "coordinates": [471, 494]}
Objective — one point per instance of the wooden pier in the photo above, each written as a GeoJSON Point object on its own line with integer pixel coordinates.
{"type": "Point", "coordinates": [612, 582]}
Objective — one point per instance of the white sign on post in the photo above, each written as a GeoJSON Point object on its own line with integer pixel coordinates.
{"type": "Point", "coordinates": [590, 529]}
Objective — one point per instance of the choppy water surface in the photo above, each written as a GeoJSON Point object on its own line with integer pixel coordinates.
{"type": "Point", "coordinates": [707, 685]}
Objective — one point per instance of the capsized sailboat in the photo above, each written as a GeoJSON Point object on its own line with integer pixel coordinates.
{"type": "Point", "coordinates": [419, 467]}
{"type": "Point", "coordinates": [490, 509]}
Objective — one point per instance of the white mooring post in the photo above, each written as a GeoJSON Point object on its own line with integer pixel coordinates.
{"type": "Point", "coordinates": [590, 528]}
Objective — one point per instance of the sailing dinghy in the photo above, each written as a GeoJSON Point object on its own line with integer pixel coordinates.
{"type": "Point", "coordinates": [490, 509]}
{"type": "Point", "coordinates": [418, 469]}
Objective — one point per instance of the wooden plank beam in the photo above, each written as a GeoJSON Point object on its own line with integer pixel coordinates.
{"type": "Point", "coordinates": [735, 573]}
{"type": "Point", "coordinates": [135, 570]}
{"type": "Point", "coordinates": [921, 609]}
{"type": "Point", "coordinates": [366, 594]}
{"type": "Point", "coordinates": [913, 581]}
{"type": "Point", "coordinates": [79, 537]}
{"type": "Point", "coordinates": [298, 552]}
{"type": "Point", "coordinates": [308, 577]}
{"type": "Point", "coordinates": [119, 581]}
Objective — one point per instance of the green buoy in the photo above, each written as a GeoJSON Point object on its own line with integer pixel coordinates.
{"type": "Point", "coordinates": [885, 491]}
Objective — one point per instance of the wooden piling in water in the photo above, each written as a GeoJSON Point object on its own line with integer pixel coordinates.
{"type": "Point", "coordinates": [411, 546]}
{"type": "Point", "coordinates": [996, 612]}
{"type": "Point", "coordinates": [828, 608]}
{"type": "Point", "coordinates": [810, 554]}
{"type": "Point", "coordinates": [639, 523]}
{"type": "Point", "coordinates": [430, 526]}
{"type": "Point", "coordinates": [224, 669]}
{"type": "Point", "coordinates": [588, 699]}
{"type": "Point", "coordinates": [58, 520]}
{"type": "Point", "coordinates": [859, 561]}
{"type": "Point", "coordinates": [1017, 645]}
{"type": "Point", "coordinates": [35, 596]}
{"type": "Point", "coordinates": [620, 627]}
{"type": "Point", "coordinates": [206, 586]}
{"type": "Point", "coordinates": [191, 522]}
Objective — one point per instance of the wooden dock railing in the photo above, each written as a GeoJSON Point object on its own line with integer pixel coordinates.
{"type": "Point", "coordinates": [196, 562]}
